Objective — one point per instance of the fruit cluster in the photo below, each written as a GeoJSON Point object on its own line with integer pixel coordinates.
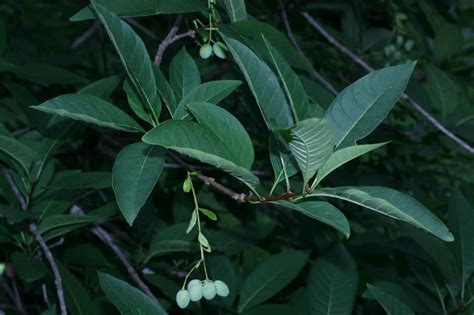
{"type": "Point", "coordinates": [198, 289]}
{"type": "Point", "coordinates": [395, 52]}
{"type": "Point", "coordinates": [218, 48]}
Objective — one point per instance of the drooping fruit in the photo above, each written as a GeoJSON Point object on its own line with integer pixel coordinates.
{"type": "Point", "coordinates": [409, 45]}
{"type": "Point", "coordinates": [205, 51]}
{"type": "Point", "coordinates": [219, 50]}
{"type": "Point", "coordinates": [183, 298]}
{"type": "Point", "coordinates": [209, 290]}
{"type": "Point", "coordinates": [221, 288]}
{"type": "Point", "coordinates": [193, 282]}
{"type": "Point", "coordinates": [196, 292]}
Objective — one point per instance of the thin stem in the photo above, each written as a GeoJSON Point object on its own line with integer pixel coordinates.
{"type": "Point", "coordinates": [196, 265]}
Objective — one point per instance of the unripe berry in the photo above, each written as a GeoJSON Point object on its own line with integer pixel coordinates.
{"type": "Point", "coordinates": [205, 51]}
{"type": "Point", "coordinates": [409, 45]}
{"type": "Point", "coordinates": [221, 288]}
{"type": "Point", "coordinates": [219, 50]}
{"type": "Point", "coordinates": [397, 55]}
{"type": "Point", "coordinates": [400, 40]}
{"type": "Point", "coordinates": [196, 292]}
{"type": "Point", "coordinates": [192, 283]}
{"type": "Point", "coordinates": [182, 298]}
{"type": "Point", "coordinates": [209, 290]}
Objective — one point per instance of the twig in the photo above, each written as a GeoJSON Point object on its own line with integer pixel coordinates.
{"type": "Point", "coordinates": [45, 294]}
{"type": "Point", "coordinates": [406, 97]}
{"type": "Point", "coordinates": [292, 38]}
{"type": "Point", "coordinates": [86, 35]}
{"type": "Point", "coordinates": [13, 295]}
{"type": "Point", "coordinates": [105, 237]}
{"type": "Point", "coordinates": [171, 38]}
{"type": "Point", "coordinates": [211, 181]}
{"type": "Point", "coordinates": [39, 238]}
{"type": "Point", "coordinates": [142, 28]}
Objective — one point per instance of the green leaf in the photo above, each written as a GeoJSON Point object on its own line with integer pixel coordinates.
{"type": "Point", "coordinates": [184, 74]}
{"type": "Point", "coordinates": [79, 180]}
{"type": "Point", "coordinates": [362, 106]}
{"type": "Point", "coordinates": [461, 222]}
{"type": "Point", "coordinates": [448, 41]}
{"type": "Point", "coordinates": [208, 213]}
{"type": "Point", "coordinates": [275, 273]}
{"type": "Point", "coordinates": [281, 158]}
{"type": "Point", "coordinates": [17, 152]}
{"type": "Point", "coordinates": [236, 10]}
{"type": "Point", "coordinates": [142, 8]}
{"type": "Point", "coordinates": [28, 267]}
{"type": "Point", "coordinates": [90, 109]}
{"type": "Point", "coordinates": [129, 300]}
{"type": "Point", "coordinates": [210, 92]}
{"type": "Point", "coordinates": [78, 300]}
{"type": "Point", "coordinates": [203, 241]}
{"type": "Point", "coordinates": [172, 239]}
{"type": "Point", "coordinates": [332, 284]}
{"type": "Point", "coordinates": [443, 92]}
{"type": "Point", "coordinates": [228, 129]}
{"type": "Point", "coordinates": [199, 142]}
{"type": "Point", "coordinates": [102, 88]}
{"type": "Point", "coordinates": [391, 203]}
{"type": "Point", "coordinates": [63, 220]}
{"type": "Point", "coordinates": [291, 83]}
{"type": "Point", "coordinates": [311, 142]}
{"type": "Point", "coordinates": [165, 90]}
{"type": "Point", "coordinates": [342, 156]}
{"type": "Point", "coordinates": [264, 86]}
{"type": "Point", "coordinates": [135, 103]}
{"type": "Point", "coordinates": [192, 222]}
{"type": "Point", "coordinates": [271, 309]}
{"type": "Point", "coordinates": [134, 175]}
{"type": "Point", "coordinates": [134, 57]}
{"type": "Point", "coordinates": [321, 211]}
{"type": "Point", "coordinates": [390, 303]}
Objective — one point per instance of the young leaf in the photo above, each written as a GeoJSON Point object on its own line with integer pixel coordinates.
{"type": "Point", "coordinates": [362, 106]}
{"type": "Point", "coordinates": [208, 213]}
{"type": "Point", "coordinates": [228, 129]}
{"type": "Point", "coordinates": [165, 90]}
{"type": "Point", "coordinates": [134, 175]}
{"type": "Point", "coordinates": [236, 10]}
{"type": "Point", "coordinates": [187, 184]}
{"type": "Point", "coordinates": [264, 86]}
{"type": "Point", "coordinates": [321, 211]}
{"type": "Point", "coordinates": [129, 300]}
{"type": "Point", "coordinates": [342, 156]}
{"type": "Point", "coordinates": [390, 303]}
{"type": "Point", "coordinates": [199, 142]}
{"type": "Point", "coordinates": [210, 92]}
{"type": "Point", "coordinates": [281, 158]}
{"type": "Point", "coordinates": [275, 273]}
{"type": "Point", "coordinates": [134, 57]}
{"type": "Point", "coordinates": [311, 142]}
{"type": "Point", "coordinates": [203, 241]}
{"type": "Point", "coordinates": [192, 222]}
{"type": "Point", "coordinates": [90, 109]}
{"type": "Point", "coordinates": [391, 203]}
{"type": "Point", "coordinates": [184, 74]}
{"type": "Point", "coordinates": [291, 83]}
{"type": "Point", "coordinates": [135, 103]}
{"type": "Point", "coordinates": [332, 284]}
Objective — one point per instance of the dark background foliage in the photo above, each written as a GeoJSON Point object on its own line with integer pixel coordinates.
{"type": "Point", "coordinates": [43, 54]}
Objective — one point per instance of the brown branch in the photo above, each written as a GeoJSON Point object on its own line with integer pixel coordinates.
{"type": "Point", "coordinates": [171, 38]}
{"type": "Point", "coordinates": [39, 238]}
{"type": "Point", "coordinates": [292, 38]}
{"type": "Point", "coordinates": [107, 239]}
{"type": "Point", "coordinates": [406, 97]}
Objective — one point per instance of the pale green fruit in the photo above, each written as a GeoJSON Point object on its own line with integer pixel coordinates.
{"type": "Point", "coordinates": [196, 292]}
{"type": "Point", "coordinates": [182, 298]}
{"type": "Point", "coordinates": [409, 45]}
{"type": "Point", "coordinates": [397, 55]}
{"type": "Point", "coordinates": [205, 51]}
{"type": "Point", "coordinates": [400, 40]}
{"type": "Point", "coordinates": [219, 50]}
{"type": "Point", "coordinates": [221, 288]}
{"type": "Point", "coordinates": [194, 282]}
{"type": "Point", "coordinates": [209, 290]}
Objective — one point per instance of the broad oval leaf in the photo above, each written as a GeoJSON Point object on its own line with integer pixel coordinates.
{"type": "Point", "coordinates": [264, 86]}
{"type": "Point", "coordinates": [311, 142]}
{"type": "Point", "coordinates": [199, 142]}
{"type": "Point", "coordinates": [134, 57]}
{"type": "Point", "coordinates": [165, 90]}
{"type": "Point", "coordinates": [275, 273]}
{"type": "Point", "coordinates": [134, 175]}
{"type": "Point", "coordinates": [391, 304]}
{"type": "Point", "coordinates": [228, 129]}
{"type": "Point", "coordinates": [391, 203]}
{"type": "Point", "coordinates": [291, 84]}
{"type": "Point", "coordinates": [21, 155]}
{"type": "Point", "coordinates": [90, 109]}
{"type": "Point", "coordinates": [342, 156]}
{"type": "Point", "coordinates": [332, 284]}
{"type": "Point", "coordinates": [128, 299]}
{"type": "Point", "coordinates": [362, 106]}
{"type": "Point", "coordinates": [102, 88]}
{"type": "Point", "coordinates": [81, 180]}
{"type": "Point", "coordinates": [210, 92]}
{"type": "Point", "coordinates": [236, 10]}
{"type": "Point", "coordinates": [184, 74]}
{"type": "Point", "coordinates": [321, 211]}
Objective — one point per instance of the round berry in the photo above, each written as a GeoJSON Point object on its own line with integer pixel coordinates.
{"type": "Point", "coordinates": [192, 283]}
{"type": "Point", "coordinates": [209, 290]}
{"type": "Point", "coordinates": [205, 51]}
{"type": "Point", "coordinates": [221, 288]}
{"type": "Point", "coordinates": [397, 55]}
{"type": "Point", "coordinates": [400, 40]}
{"type": "Point", "coordinates": [219, 50]}
{"type": "Point", "coordinates": [409, 45]}
{"type": "Point", "coordinates": [196, 292]}
{"type": "Point", "coordinates": [182, 298]}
